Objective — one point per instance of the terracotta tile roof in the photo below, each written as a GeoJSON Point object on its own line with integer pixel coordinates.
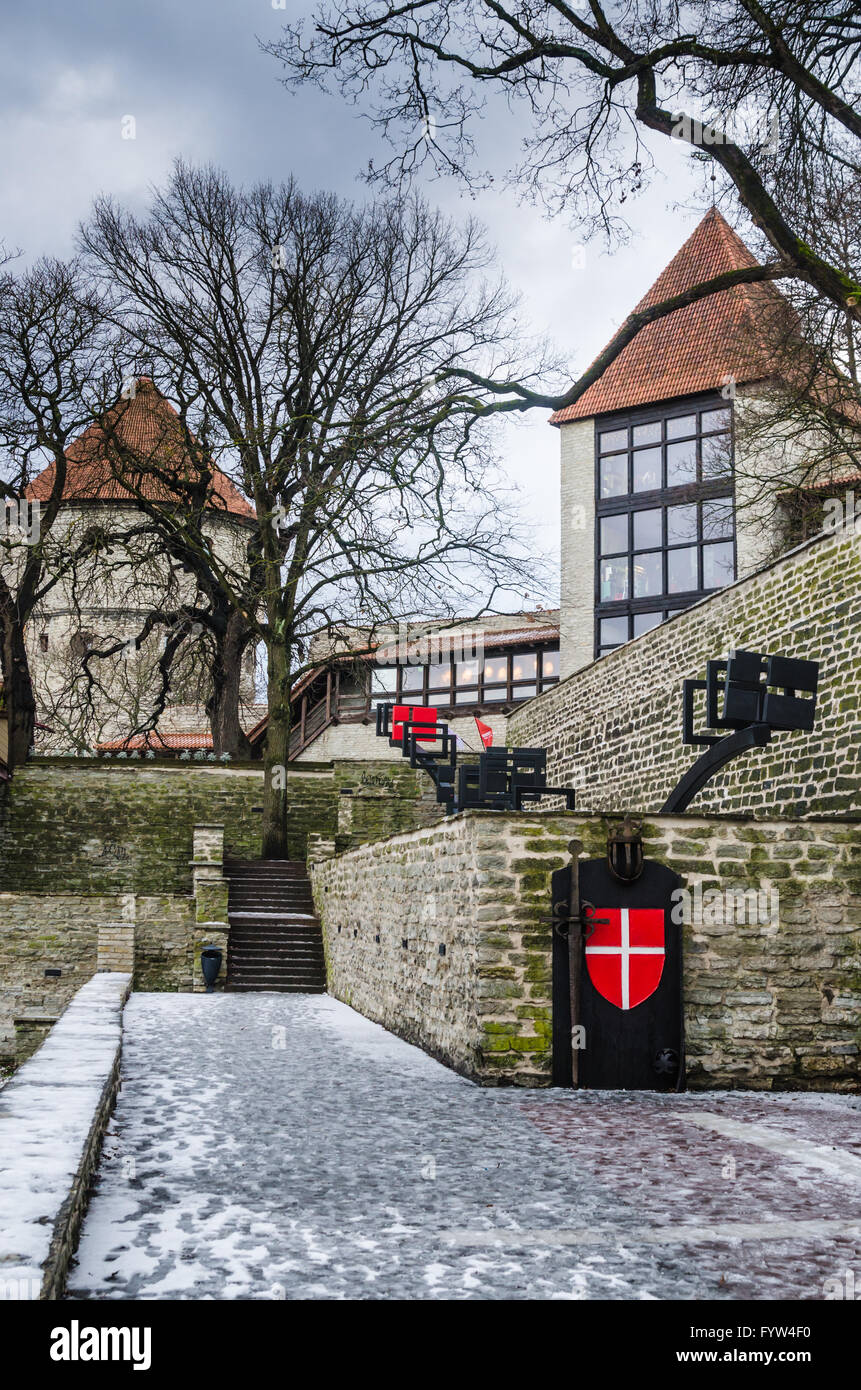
{"type": "Point", "coordinates": [157, 742]}
{"type": "Point", "coordinates": [695, 348]}
{"type": "Point", "coordinates": [148, 426]}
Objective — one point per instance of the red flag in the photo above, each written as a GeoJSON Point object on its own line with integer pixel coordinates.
{"type": "Point", "coordinates": [485, 733]}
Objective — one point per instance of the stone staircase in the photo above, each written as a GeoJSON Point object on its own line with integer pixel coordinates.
{"type": "Point", "coordinates": [276, 942]}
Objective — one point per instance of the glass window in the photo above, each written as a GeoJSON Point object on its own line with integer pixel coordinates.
{"type": "Point", "coordinates": [439, 697]}
{"type": "Point", "coordinates": [614, 476]}
{"type": "Point", "coordinates": [466, 697]}
{"type": "Point", "coordinates": [614, 630]}
{"type": "Point", "coordinates": [717, 457]}
{"type": "Point", "coordinates": [613, 439]}
{"type": "Point", "coordinates": [681, 425]}
{"type": "Point", "coordinates": [647, 470]}
{"type": "Point", "coordinates": [716, 420]}
{"type": "Point", "coordinates": [385, 679]}
{"type": "Point", "coordinates": [550, 664]}
{"type": "Point", "coordinates": [647, 528]}
{"type": "Point", "coordinates": [524, 666]}
{"type": "Point", "coordinates": [496, 669]}
{"type": "Point", "coordinates": [682, 570]}
{"type": "Point", "coordinates": [524, 692]}
{"type": "Point", "coordinates": [681, 524]}
{"type": "Point", "coordinates": [614, 534]}
{"type": "Point", "coordinates": [647, 434]}
{"type": "Point", "coordinates": [679, 541]}
{"type": "Point", "coordinates": [648, 579]}
{"type": "Point", "coordinates": [412, 678]}
{"type": "Point", "coordinates": [681, 463]}
{"type": "Point", "coordinates": [614, 580]}
{"type": "Point", "coordinates": [717, 518]}
{"type": "Point", "coordinates": [467, 673]}
{"type": "Point", "coordinates": [439, 675]}
{"type": "Point", "coordinates": [644, 622]}
{"type": "Point", "coordinates": [718, 566]}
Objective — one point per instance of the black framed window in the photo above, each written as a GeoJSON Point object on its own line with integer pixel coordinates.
{"type": "Point", "coordinates": [496, 679]}
{"type": "Point", "coordinates": [665, 527]}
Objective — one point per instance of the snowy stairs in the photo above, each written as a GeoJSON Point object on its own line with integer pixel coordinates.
{"type": "Point", "coordinates": [276, 942]}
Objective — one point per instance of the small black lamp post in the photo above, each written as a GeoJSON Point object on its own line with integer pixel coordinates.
{"type": "Point", "coordinates": [210, 964]}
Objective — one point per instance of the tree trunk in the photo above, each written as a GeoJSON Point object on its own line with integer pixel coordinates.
{"type": "Point", "coordinates": [276, 752]}
{"type": "Point", "coordinates": [20, 700]}
{"type": "Point", "coordinates": [222, 707]}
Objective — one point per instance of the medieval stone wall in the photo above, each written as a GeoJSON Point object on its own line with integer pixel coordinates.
{"type": "Point", "coordinates": [613, 730]}
{"type": "Point", "coordinates": [111, 827]}
{"type": "Point", "coordinates": [771, 1000]}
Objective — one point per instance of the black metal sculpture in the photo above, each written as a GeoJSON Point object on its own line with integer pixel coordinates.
{"type": "Point", "coordinates": [753, 694]}
{"type": "Point", "coordinates": [501, 779]}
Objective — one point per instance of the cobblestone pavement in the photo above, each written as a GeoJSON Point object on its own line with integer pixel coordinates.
{"type": "Point", "coordinates": [282, 1146]}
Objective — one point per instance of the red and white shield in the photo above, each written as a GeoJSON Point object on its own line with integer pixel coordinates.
{"type": "Point", "coordinates": [625, 953]}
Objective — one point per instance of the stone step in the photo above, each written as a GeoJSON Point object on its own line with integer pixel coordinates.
{"type": "Point", "coordinates": [264, 987]}
{"type": "Point", "coordinates": [278, 976]}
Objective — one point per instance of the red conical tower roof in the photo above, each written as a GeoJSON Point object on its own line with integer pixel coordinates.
{"type": "Point", "coordinates": [696, 348]}
{"type": "Point", "coordinates": [148, 427]}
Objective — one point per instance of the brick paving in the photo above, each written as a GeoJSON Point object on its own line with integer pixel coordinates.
{"type": "Point", "coordinates": [281, 1146]}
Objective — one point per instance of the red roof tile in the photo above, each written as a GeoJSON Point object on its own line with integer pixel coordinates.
{"type": "Point", "coordinates": [148, 426]}
{"type": "Point", "coordinates": [693, 349]}
{"type": "Point", "coordinates": [157, 741]}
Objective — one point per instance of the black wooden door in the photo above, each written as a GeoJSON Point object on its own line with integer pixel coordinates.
{"type": "Point", "coordinates": [629, 961]}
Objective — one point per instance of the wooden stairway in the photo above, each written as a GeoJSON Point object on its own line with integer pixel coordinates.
{"type": "Point", "coordinates": [276, 942]}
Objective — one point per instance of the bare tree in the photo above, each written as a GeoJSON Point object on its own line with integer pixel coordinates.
{"type": "Point", "coordinates": [769, 89]}
{"type": "Point", "coordinates": [54, 363]}
{"type": "Point", "coordinates": [306, 343]}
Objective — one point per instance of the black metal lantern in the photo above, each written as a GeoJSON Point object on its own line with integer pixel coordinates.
{"type": "Point", "coordinates": [210, 964]}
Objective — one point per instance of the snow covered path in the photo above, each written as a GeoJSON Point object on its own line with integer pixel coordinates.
{"type": "Point", "coordinates": [282, 1146]}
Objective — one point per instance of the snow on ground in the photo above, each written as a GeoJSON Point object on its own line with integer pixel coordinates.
{"type": "Point", "coordinates": [282, 1146]}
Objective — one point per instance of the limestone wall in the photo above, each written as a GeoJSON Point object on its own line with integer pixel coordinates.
{"type": "Point", "coordinates": [124, 826]}
{"type": "Point", "coordinates": [613, 730]}
{"type": "Point", "coordinates": [768, 1003]}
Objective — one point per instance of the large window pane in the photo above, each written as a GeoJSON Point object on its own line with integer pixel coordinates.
{"type": "Point", "coordinates": [614, 534]}
{"type": "Point", "coordinates": [614, 476]}
{"type": "Point", "coordinates": [611, 440]}
{"type": "Point", "coordinates": [467, 673]}
{"type": "Point", "coordinates": [681, 524]}
{"type": "Point", "coordinates": [550, 664]}
{"type": "Point", "coordinates": [644, 622]}
{"type": "Point", "coordinates": [614, 630]}
{"type": "Point", "coordinates": [717, 518]}
{"type": "Point", "coordinates": [647, 470]}
{"type": "Point", "coordinates": [681, 425]}
{"type": "Point", "coordinates": [718, 568]}
{"type": "Point", "coordinates": [681, 463]}
{"type": "Point", "coordinates": [412, 678]}
{"type": "Point", "coordinates": [716, 419]}
{"type": "Point", "coordinates": [647, 434]}
{"type": "Point", "coordinates": [682, 570]}
{"type": "Point", "coordinates": [647, 574]}
{"type": "Point", "coordinates": [496, 669]}
{"type": "Point", "coordinates": [439, 675]}
{"type": "Point", "coordinates": [524, 666]}
{"type": "Point", "coordinates": [717, 457]}
{"type": "Point", "coordinates": [647, 528]}
{"type": "Point", "coordinates": [385, 680]}
{"type": "Point", "coordinates": [614, 580]}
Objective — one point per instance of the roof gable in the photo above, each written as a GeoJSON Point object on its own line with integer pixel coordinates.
{"type": "Point", "coordinates": [696, 348]}
{"type": "Point", "coordinates": [148, 426]}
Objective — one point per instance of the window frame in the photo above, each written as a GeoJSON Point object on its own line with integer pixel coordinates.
{"type": "Point", "coordinates": [479, 693]}
{"type": "Point", "coordinates": [628, 504]}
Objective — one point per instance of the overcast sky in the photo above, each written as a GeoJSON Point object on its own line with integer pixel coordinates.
{"type": "Point", "coordinates": [191, 74]}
